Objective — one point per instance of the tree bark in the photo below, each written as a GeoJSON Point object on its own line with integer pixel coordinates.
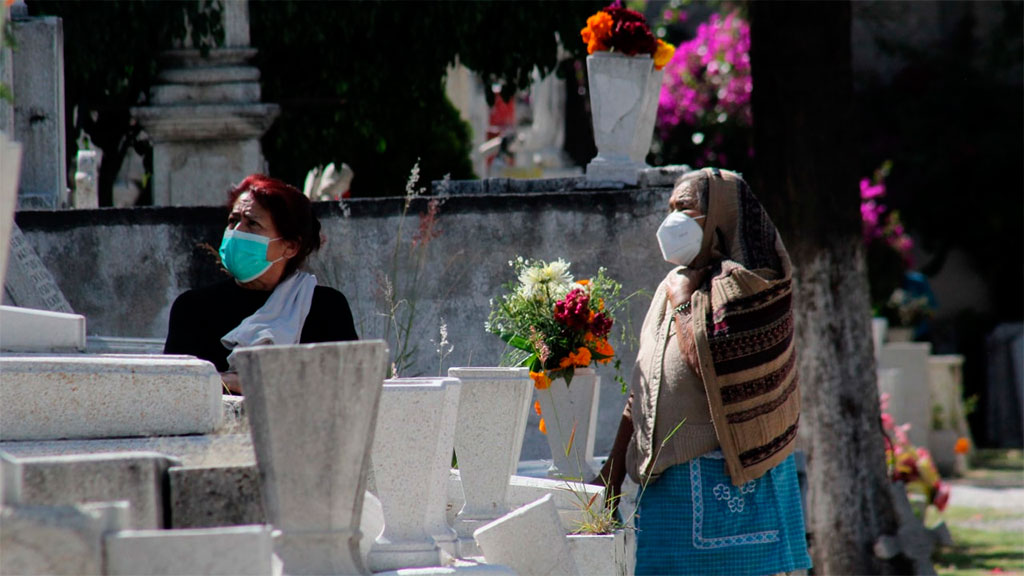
{"type": "Point", "coordinates": [806, 177]}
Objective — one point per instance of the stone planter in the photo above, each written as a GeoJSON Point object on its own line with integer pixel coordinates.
{"type": "Point", "coordinates": [493, 407]}
{"type": "Point", "coordinates": [313, 411]}
{"type": "Point", "coordinates": [600, 553]}
{"type": "Point", "coordinates": [623, 100]}
{"type": "Point", "coordinates": [570, 415]}
{"type": "Point", "coordinates": [412, 452]}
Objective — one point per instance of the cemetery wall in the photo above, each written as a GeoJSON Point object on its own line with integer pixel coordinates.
{"type": "Point", "coordinates": [122, 268]}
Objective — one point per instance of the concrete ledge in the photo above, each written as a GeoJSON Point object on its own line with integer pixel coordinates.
{"type": "Point", "coordinates": [243, 550]}
{"type": "Point", "coordinates": [28, 330]}
{"type": "Point", "coordinates": [206, 450]}
{"type": "Point", "coordinates": [79, 396]}
{"type": "Point", "coordinates": [137, 478]}
{"type": "Point", "coordinates": [523, 490]}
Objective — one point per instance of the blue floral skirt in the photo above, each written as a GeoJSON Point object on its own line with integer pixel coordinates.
{"type": "Point", "coordinates": [692, 520]}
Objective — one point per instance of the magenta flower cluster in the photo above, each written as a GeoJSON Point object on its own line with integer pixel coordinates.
{"type": "Point", "coordinates": [708, 82]}
{"type": "Point", "coordinates": [878, 223]}
{"type": "Point", "coordinates": [574, 311]}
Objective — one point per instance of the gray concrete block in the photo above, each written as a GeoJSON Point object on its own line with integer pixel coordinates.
{"type": "Point", "coordinates": [51, 540]}
{"type": "Point", "coordinates": [203, 497]}
{"type": "Point", "coordinates": [242, 550]}
{"type": "Point", "coordinates": [138, 478]}
{"type": "Point", "coordinates": [10, 480]}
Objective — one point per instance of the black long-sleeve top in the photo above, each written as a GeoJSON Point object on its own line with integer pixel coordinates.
{"type": "Point", "coordinates": [200, 317]}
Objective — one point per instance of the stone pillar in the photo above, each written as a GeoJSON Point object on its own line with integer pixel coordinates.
{"type": "Point", "coordinates": [37, 81]}
{"type": "Point", "coordinates": [206, 119]}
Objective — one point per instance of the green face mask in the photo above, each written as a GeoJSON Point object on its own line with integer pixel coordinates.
{"type": "Point", "coordinates": [245, 255]}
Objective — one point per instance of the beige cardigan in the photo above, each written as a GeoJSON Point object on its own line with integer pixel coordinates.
{"type": "Point", "coordinates": [665, 392]}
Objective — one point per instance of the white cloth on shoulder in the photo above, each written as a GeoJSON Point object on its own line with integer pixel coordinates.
{"type": "Point", "coordinates": [278, 321]}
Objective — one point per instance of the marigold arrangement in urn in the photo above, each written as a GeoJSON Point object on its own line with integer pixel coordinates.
{"type": "Point", "coordinates": [619, 29]}
{"type": "Point", "coordinates": [557, 324]}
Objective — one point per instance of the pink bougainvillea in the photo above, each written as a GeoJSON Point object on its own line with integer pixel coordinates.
{"type": "Point", "coordinates": [708, 81]}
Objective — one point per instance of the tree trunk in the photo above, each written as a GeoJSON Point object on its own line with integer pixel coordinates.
{"type": "Point", "coordinates": [806, 176]}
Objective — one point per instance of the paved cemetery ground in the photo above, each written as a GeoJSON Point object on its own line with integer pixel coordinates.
{"type": "Point", "coordinates": [986, 517]}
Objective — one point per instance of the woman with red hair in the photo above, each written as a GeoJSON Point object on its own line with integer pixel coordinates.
{"type": "Point", "coordinates": [271, 230]}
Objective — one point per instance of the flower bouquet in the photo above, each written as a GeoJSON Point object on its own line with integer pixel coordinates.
{"type": "Point", "coordinates": [558, 326]}
{"type": "Point", "coordinates": [618, 29]}
{"type": "Point", "coordinates": [624, 72]}
{"type": "Point", "coordinates": [911, 464]}
{"type": "Point", "coordinates": [557, 323]}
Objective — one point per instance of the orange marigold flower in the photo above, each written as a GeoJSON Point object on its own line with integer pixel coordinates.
{"type": "Point", "coordinates": [962, 446]}
{"type": "Point", "coordinates": [604, 349]}
{"type": "Point", "coordinates": [583, 282]}
{"type": "Point", "coordinates": [596, 45]}
{"type": "Point", "coordinates": [566, 362]}
{"type": "Point", "coordinates": [597, 31]}
{"type": "Point", "coordinates": [588, 337]}
{"type": "Point", "coordinates": [8, 2]}
{"type": "Point", "coordinates": [663, 54]}
{"type": "Point", "coordinates": [601, 25]}
{"type": "Point", "coordinates": [542, 427]}
{"type": "Point", "coordinates": [536, 407]}
{"type": "Point", "coordinates": [540, 380]}
{"type": "Point", "coordinates": [580, 358]}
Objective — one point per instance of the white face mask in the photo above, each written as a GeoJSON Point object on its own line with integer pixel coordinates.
{"type": "Point", "coordinates": [680, 237]}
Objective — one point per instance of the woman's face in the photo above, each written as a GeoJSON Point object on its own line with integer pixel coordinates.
{"type": "Point", "coordinates": [685, 200]}
{"type": "Point", "coordinates": [248, 216]}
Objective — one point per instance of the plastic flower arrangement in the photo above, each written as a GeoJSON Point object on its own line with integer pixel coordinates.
{"type": "Point", "coordinates": [619, 29]}
{"type": "Point", "coordinates": [557, 323]}
{"type": "Point", "coordinates": [911, 464]}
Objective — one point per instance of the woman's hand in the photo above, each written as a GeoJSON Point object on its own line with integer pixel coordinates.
{"type": "Point", "coordinates": [231, 382]}
{"type": "Point", "coordinates": [683, 282]}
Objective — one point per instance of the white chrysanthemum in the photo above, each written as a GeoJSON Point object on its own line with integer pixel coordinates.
{"type": "Point", "coordinates": [554, 278]}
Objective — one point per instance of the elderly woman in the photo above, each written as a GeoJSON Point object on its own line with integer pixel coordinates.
{"type": "Point", "coordinates": [711, 421]}
{"type": "Point", "coordinates": [268, 300]}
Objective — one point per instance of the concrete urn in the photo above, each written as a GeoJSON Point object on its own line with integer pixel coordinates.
{"type": "Point", "coordinates": [570, 417]}
{"type": "Point", "coordinates": [624, 101]}
{"type": "Point", "coordinates": [493, 409]}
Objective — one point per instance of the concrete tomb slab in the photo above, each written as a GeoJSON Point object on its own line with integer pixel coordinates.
{"type": "Point", "coordinates": [235, 551]}
{"type": "Point", "coordinates": [523, 490]}
{"type": "Point", "coordinates": [28, 281]}
{"type": "Point", "coordinates": [530, 540]}
{"type": "Point", "coordinates": [193, 450]}
{"type": "Point", "coordinates": [138, 478]}
{"type": "Point", "coordinates": [80, 396]}
{"type": "Point", "coordinates": [27, 330]}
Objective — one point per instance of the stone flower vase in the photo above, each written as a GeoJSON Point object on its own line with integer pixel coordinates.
{"type": "Point", "coordinates": [493, 409]}
{"type": "Point", "coordinates": [623, 100]}
{"type": "Point", "coordinates": [565, 409]}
